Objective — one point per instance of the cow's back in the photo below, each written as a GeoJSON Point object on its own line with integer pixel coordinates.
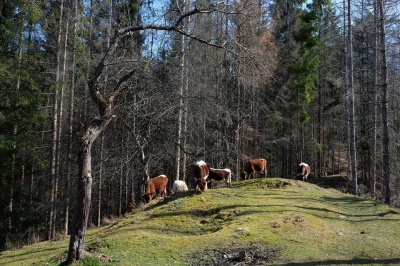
{"type": "Point", "coordinates": [156, 186]}
{"type": "Point", "coordinates": [201, 173]}
{"type": "Point", "coordinates": [201, 170]}
{"type": "Point", "coordinates": [161, 184]}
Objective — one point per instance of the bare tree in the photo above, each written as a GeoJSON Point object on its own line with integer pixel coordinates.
{"type": "Point", "coordinates": [385, 104]}
{"type": "Point", "coordinates": [97, 125]}
{"type": "Point", "coordinates": [374, 105]}
{"type": "Point", "coordinates": [71, 119]}
{"type": "Point", "coordinates": [350, 104]}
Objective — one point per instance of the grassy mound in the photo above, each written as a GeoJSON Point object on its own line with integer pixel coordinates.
{"type": "Point", "coordinates": [256, 222]}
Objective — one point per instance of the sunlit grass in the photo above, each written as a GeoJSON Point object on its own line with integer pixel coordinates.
{"type": "Point", "coordinates": [282, 221]}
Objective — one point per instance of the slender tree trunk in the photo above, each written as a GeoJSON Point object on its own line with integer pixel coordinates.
{"type": "Point", "coordinates": [55, 141]}
{"type": "Point", "coordinates": [185, 125]}
{"type": "Point", "coordinates": [121, 174]}
{"type": "Point", "coordinates": [385, 104]}
{"type": "Point", "coordinates": [100, 181]}
{"type": "Point", "coordinates": [59, 127]}
{"type": "Point", "coordinates": [183, 70]}
{"type": "Point", "coordinates": [351, 112]}
{"type": "Point", "coordinates": [71, 121]}
{"type": "Point", "coordinates": [13, 176]}
{"type": "Point", "coordinates": [374, 105]}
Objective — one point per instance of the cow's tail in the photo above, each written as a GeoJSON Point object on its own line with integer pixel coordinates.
{"type": "Point", "coordinates": [229, 178]}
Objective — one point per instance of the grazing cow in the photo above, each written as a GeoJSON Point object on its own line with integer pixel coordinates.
{"type": "Point", "coordinates": [156, 186]}
{"type": "Point", "coordinates": [303, 170]}
{"type": "Point", "coordinates": [254, 166]}
{"type": "Point", "coordinates": [201, 173]}
{"type": "Point", "coordinates": [220, 176]}
{"type": "Point", "coordinates": [179, 186]}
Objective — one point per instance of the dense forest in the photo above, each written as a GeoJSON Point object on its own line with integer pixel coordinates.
{"type": "Point", "coordinates": [98, 96]}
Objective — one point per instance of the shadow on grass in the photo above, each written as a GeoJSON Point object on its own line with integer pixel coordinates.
{"type": "Point", "coordinates": [23, 257]}
{"type": "Point", "coordinates": [338, 182]}
{"type": "Point", "coordinates": [394, 261]}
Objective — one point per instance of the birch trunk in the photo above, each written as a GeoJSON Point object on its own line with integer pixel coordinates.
{"type": "Point", "coordinates": [182, 89]}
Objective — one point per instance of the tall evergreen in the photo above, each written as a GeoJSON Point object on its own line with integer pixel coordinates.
{"type": "Point", "coordinates": [20, 118]}
{"type": "Point", "coordinates": [297, 34]}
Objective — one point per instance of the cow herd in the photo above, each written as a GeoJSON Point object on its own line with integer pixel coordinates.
{"type": "Point", "coordinates": [203, 174]}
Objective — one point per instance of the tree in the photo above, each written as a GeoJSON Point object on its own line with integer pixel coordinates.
{"type": "Point", "coordinates": [385, 104]}
{"type": "Point", "coordinates": [350, 104]}
{"type": "Point", "coordinates": [21, 118]}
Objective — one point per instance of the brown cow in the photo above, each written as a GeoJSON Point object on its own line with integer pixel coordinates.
{"type": "Point", "coordinates": [254, 166]}
{"type": "Point", "coordinates": [220, 176]}
{"type": "Point", "coordinates": [156, 186]}
{"type": "Point", "coordinates": [201, 173]}
{"type": "Point", "coordinates": [303, 170]}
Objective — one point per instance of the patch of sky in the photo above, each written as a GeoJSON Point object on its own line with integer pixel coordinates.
{"type": "Point", "coordinates": [155, 13]}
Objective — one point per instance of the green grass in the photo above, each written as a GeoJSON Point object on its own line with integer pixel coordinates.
{"type": "Point", "coordinates": [274, 221]}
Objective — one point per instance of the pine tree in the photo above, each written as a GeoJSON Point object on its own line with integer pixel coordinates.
{"type": "Point", "coordinates": [20, 116]}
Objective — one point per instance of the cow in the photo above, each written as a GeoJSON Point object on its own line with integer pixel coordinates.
{"type": "Point", "coordinates": [201, 173]}
{"type": "Point", "coordinates": [220, 176]}
{"type": "Point", "coordinates": [156, 186]}
{"type": "Point", "coordinates": [254, 166]}
{"type": "Point", "coordinates": [179, 186]}
{"type": "Point", "coordinates": [303, 170]}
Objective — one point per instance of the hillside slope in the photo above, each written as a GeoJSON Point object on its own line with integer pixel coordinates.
{"type": "Point", "coordinates": [256, 222]}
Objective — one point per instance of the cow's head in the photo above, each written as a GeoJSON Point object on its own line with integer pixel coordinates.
{"type": "Point", "coordinates": [147, 197]}
{"type": "Point", "coordinates": [243, 175]}
{"type": "Point", "coordinates": [201, 185]}
{"type": "Point", "coordinates": [301, 170]}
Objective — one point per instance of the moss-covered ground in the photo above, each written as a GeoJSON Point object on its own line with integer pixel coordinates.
{"type": "Point", "coordinates": [256, 222]}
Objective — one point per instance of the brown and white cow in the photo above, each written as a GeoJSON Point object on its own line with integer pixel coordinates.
{"type": "Point", "coordinates": [201, 173]}
{"type": "Point", "coordinates": [156, 186]}
{"type": "Point", "coordinates": [220, 176]}
{"type": "Point", "coordinates": [253, 167]}
{"type": "Point", "coordinates": [303, 170]}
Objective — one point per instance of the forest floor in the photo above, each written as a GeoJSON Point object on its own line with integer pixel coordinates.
{"type": "Point", "coordinates": [269, 221]}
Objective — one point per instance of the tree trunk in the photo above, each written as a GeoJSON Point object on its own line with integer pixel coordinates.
{"type": "Point", "coordinates": [55, 141]}
{"type": "Point", "coordinates": [351, 112]}
{"type": "Point", "coordinates": [184, 73]}
{"type": "Point", "coordinates": [84, 192]}
{"type": "Point", "coordinates": [385, 107]}
{"type": "Point", "coordinates": [374, 106]}
{"type": "Point", "coordinates": [71, 120]}
{"type": "Point", "coordinates": [100, 181]}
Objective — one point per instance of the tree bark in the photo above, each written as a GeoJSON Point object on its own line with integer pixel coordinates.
{"type": "Point", "coordinates": [55, 140]}
{"type": "Point", "coordinates": [184, 73]}
{"type": "Point", "coordinates": [385, 105]}
{"type": "Point", "coordinates": [71, 120]}
{"type": "Point", "coordinates": [84, 191]}
{"type": "Point", "coordinates": [351, 112]}
{"type": "Point", "coordinates": [374, 106]}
